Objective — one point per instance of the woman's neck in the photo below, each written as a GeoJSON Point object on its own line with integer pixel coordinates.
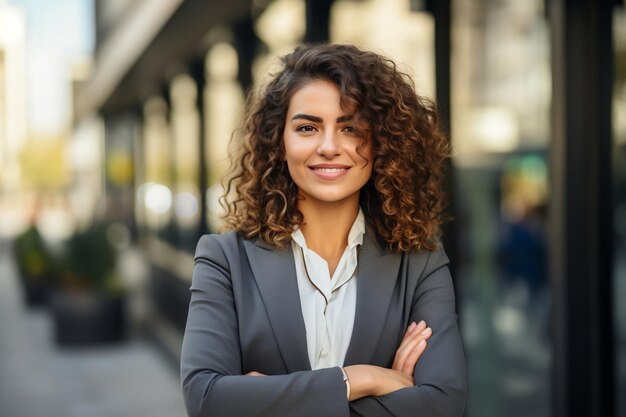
{"type": "Point", "coordinates": [326, 228]}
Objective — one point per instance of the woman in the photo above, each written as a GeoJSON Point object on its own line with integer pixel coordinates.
{"type": "Point", "coordinates": [317, 302]}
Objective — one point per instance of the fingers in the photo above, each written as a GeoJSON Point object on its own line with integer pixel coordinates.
{"type": "Point", "coordinates": [411, 330]}
{"type": "Point", "coordinates": [410, 333]}
{"type": "Point", "coordinates": [409, 364]}
{"type": "Point", "coordinates": [411, 348]}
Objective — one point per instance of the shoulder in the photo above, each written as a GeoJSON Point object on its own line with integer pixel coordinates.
{"type": "Point", "coordinates": [217, 252]}
{"type": "Point", "coordinates": [226, 245]}
{"type": "Point", "coordinates": [420, 261]}
{"type": "Point", "coordinates": [425, 262]}
{"type": "Point", "coordinates": [216, 246]}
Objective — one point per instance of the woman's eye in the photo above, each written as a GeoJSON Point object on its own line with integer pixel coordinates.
{"type": "Point", "coordinates": [351, 130]}
{"type": "Point", "coordinates": [305, 128]}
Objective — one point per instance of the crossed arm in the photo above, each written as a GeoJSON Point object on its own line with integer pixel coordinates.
{"type": "Point", "coordinates": [421, 382]}
{"type": "Point", "coordinates": [371, 380]}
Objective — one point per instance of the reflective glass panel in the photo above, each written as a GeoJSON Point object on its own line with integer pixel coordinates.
{"type": "Point", "coordinates": [154, 193]}
{"type": "Point", "coordinates": [500, 137]}
{"type": "Point", "coordinates": [399, 29]}
{"type": "Point", "coordinates": [186, 143]}
{"type": "Point", "coordinates": [224, 106]}
{"type": "Point", "coordinates": [619, 213]}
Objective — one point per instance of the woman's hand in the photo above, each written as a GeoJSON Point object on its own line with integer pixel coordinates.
{"type": "Point", "coordinates": [411, 348]}
{"type": "Point", "coordinates": [367, 380]}
{"type": "Point", "coordinates": [371, 380]}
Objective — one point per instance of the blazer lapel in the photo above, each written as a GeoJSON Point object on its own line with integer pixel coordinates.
{"type": "Point", "coordinates": [275, 274]}
{"type": "Point", "coordinates": [376, 279]}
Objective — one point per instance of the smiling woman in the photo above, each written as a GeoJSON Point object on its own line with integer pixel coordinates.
{"type": "Point", "coordinates": [331, 295]}
{"type": "Point", "coordinates": [321, 147]}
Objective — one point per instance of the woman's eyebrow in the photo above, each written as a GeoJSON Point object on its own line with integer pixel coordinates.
{"type": "Point", "coordinates": [307, 117]}
{"type": "Point", "coordinates": [316, 119]}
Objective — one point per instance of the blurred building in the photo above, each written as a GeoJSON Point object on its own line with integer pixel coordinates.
{"type": "Point", "coordinates": [533, 94]}
{"type": "Point", "coordinates": [12, 117]}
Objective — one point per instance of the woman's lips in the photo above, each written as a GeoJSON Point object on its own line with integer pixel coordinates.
{"type": "Point", "coordinates": [329, 173]}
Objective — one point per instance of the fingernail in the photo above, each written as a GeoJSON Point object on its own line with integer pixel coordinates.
{"type": "Point", "coordinates": [421, 343]}
{"type": "Point", "coordinates": [422, 323]}
{"type": "Point", "coordinates": [427, 330]}
{"type": "Point", "coordinates": [412, 326]}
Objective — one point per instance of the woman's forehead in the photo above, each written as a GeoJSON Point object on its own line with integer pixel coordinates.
{"type": "Point", "coordinates": [315, 85]}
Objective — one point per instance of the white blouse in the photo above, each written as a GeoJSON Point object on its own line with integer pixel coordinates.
{"type": "Point", "coordinates": [328, 303]}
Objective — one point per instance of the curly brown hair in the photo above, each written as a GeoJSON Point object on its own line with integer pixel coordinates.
{"type": "Point", "coordinates": [403, 200]}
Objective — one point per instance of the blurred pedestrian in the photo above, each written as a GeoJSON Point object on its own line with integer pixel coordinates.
{"type": "Point", "coordinates": [331, 294]}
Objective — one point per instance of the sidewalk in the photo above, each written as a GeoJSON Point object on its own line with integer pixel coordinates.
{"type": "Point", "coordinates": [39, 380]}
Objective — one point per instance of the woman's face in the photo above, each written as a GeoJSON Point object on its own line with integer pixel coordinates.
{"type": "Point", "coordinates": [321, 142]}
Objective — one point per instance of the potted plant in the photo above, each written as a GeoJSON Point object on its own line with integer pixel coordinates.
{"type": "Point", "coordinates": [36, 266]}
{"type": "Point", "coordinates": [89, 305]}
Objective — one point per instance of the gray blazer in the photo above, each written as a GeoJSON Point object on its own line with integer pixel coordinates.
{"type": "Point", "coordinates": [245, 315]}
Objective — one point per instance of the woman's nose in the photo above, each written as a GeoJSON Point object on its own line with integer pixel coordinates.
{"type": "Point", "coordinates": [329, 146]}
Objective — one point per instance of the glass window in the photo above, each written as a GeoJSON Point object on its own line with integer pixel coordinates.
{"type": "Point", "coordinates": [619, 213]}
{"type": "Point", "coordinates": [186, 143]}
{"type": "Point", "coordinates": [500, 135]}
{"type": "Point", "coordinates": [393, 28]}
{"type": "Point", "coordinates": [224, 107]}
{"type": "Point", "coordinates": [121, 133]}
{"type": "Point", "coordinates": [154, 196]}
{"type": "Point", "coordinates": [86, 156]}
{"type": "Point", "coordinates": [281, 27]}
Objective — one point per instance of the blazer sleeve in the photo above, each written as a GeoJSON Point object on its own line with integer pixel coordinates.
{"type": "Point", "coordinates": [211, 357]}
{"type": "Point", "coordinates": [440, 374]}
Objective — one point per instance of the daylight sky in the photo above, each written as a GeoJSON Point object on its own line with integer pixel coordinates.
{"type": "Point", "coordinates": [58, 32]}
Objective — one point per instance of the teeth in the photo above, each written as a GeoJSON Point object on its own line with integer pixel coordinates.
{"type": "Point", "coordinates": [330, 169]}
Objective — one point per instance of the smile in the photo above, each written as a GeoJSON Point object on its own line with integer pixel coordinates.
{"type": "Point", "coordinates": [329, 169]}
{"type": "Point", "coordinates": [329, 173]}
